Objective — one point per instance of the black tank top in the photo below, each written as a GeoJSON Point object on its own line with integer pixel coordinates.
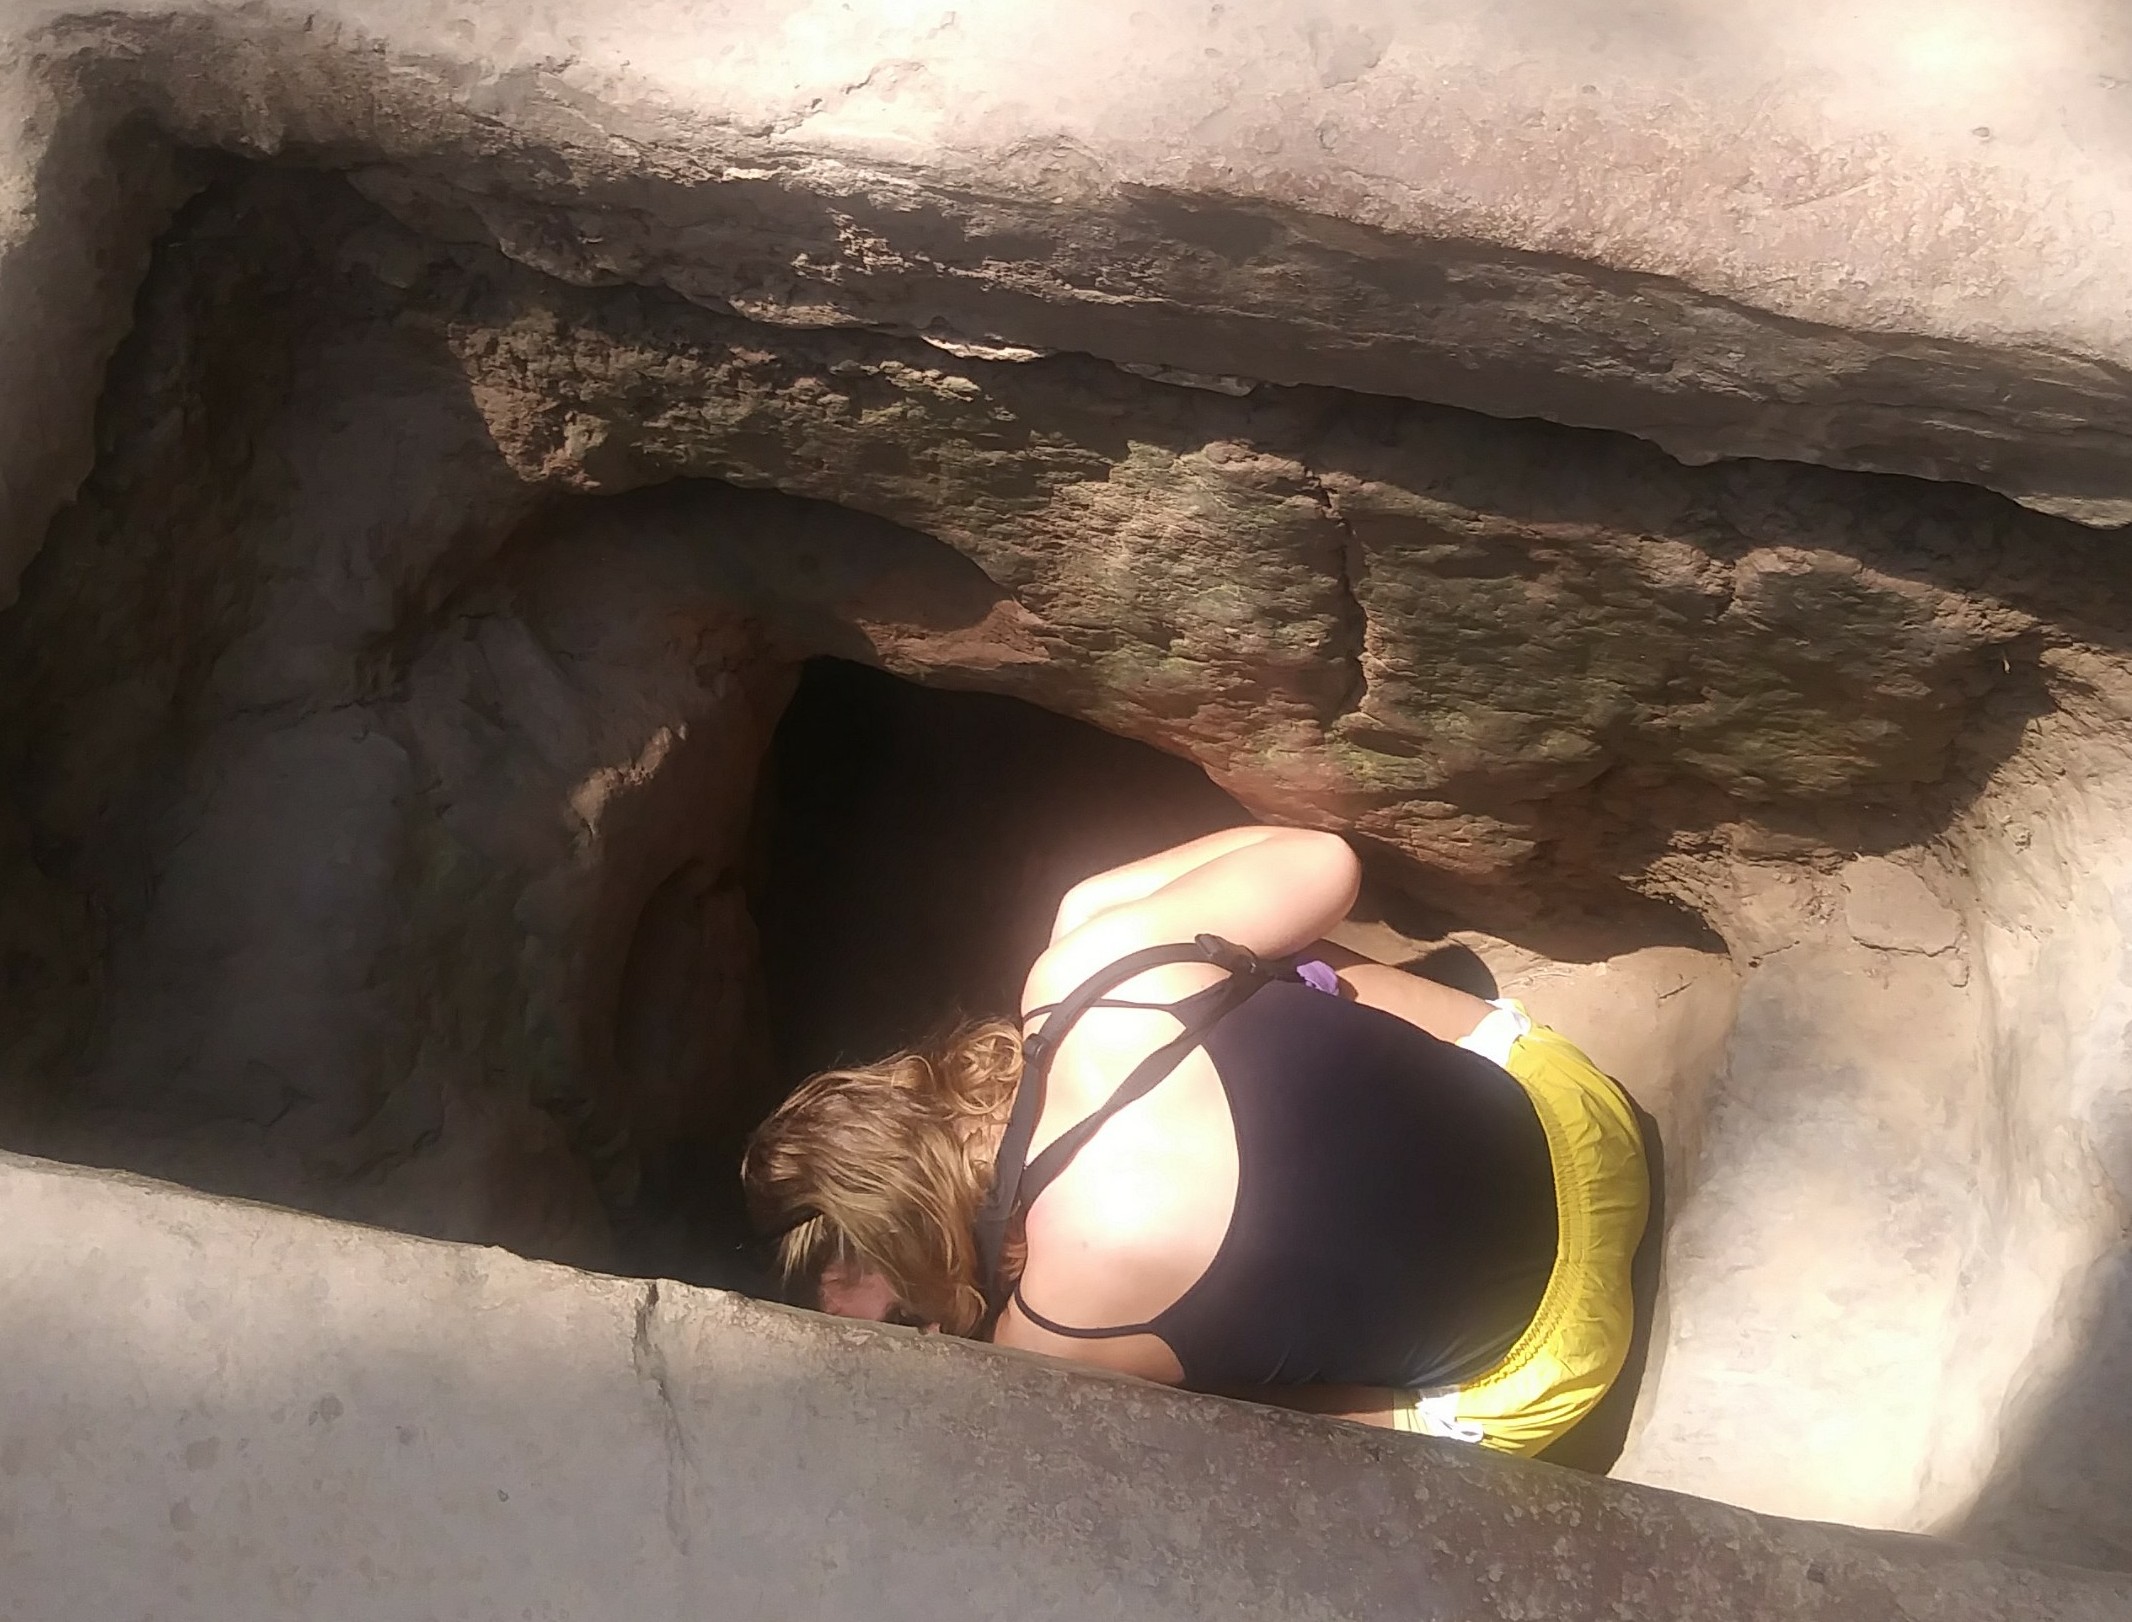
{"type": "Point", "coordinates": [1395, 1208]}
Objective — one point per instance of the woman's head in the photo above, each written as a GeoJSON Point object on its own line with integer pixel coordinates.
{"type": "Point", "coordinates": [881, 1169]}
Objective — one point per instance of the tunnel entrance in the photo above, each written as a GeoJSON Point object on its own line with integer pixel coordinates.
{"type": "Point", "coordinates": [909, 846]}
{"type": "Point", "coordinates": [912, 843]}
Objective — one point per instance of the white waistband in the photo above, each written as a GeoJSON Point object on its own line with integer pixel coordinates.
{"type": "Point", "coordinates": [1498, 1031]}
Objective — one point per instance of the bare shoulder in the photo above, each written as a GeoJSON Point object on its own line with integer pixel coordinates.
{"type": "Point", "coordinates": [1108, 939]}
{"type": "Point", "coordinates": [1276, 892]}
{"type": "Point", "coordinates": [1095, 1265]}
{"type": "Point", "coordinates": [1139, 1214]}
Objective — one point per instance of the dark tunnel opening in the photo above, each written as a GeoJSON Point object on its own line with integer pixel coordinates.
{"type": "Point", "coordinates": [909, 847]}
{"type": "Point", "coordinates": [913, 843]}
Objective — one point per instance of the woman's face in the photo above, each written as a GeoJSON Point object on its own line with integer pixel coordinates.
{"type": "Point", "coordinates": [854, 1290]}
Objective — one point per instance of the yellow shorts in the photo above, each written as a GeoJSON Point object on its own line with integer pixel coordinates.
{"type": "Point", "coordinates": [1569, 1354]}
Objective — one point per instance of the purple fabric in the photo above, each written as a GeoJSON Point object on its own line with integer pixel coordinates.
{"type": "Point", "coordinates": [1318, 976]}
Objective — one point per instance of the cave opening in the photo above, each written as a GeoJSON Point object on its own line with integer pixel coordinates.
{"type": "Point", "coordinates": [324, 892]}
{"type": "Point", "coordinates": [913, 841]}
{"type": "Point", "coordinates": [909, 845]}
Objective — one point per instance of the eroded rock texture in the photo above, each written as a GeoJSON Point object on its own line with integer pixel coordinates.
{"type": "Point", "coordinates": [382, 714]}
{"type": "Point", "coordinates": [1887, 237]}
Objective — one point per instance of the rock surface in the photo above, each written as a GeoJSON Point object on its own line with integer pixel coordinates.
{"type": "Point", "coordinates": [381, 715]}
{"type": "Point", "coordinates": [1892, 908]}
{"type": "Point", "coordinates": [395, 871]}
{"type": "Point", "coordinates": [1887, 238]}
{"type": "Point", "coordinates": [243, 1410]}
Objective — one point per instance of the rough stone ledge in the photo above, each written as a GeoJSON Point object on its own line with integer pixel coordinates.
{"type": "Point", "coordinates": [1892, 237]}
{"type": "Point", "coordinates": [218, 1410]}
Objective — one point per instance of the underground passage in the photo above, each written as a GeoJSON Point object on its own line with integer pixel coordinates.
{"type": "Point", "coordinates": [908, 847]}
{"type": "Point", "coordinates": [482, 731]}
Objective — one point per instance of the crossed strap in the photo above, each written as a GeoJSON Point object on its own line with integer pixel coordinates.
{"type": "Point", "coordinates": [1017, 1180]}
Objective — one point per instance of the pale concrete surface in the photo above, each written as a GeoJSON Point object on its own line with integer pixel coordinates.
{"type": "Point", "coordinates": [1890, 236]}
{"type": "Point", "coordinates": [220, 1411]}
{"type": "Point", "coordinates": [1818, 1257]}
{"type": "Point", "coordinates": [2047, 851]}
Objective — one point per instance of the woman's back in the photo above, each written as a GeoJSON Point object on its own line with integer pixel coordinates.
{"type": "Point", "coordinates": [1321, 1193]}
{"type": "Point", "coordinates": [1317, 1200]}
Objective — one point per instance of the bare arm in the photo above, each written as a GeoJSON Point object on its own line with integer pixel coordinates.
{"type": "Point", "coordinates": [1273, 895]}
{"type": "Point", "coordinates": [1136, 881]}
{"type": "Point", "coordinates": [1445, 1012]}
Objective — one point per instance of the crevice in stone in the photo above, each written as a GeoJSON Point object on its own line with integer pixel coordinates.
{"type": "Point", "coordinates": [1352, 641]}
{"type": "Point", "coordinates": [648, 1356]}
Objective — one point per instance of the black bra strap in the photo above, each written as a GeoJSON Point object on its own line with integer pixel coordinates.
{"type": "Point", "coordinates": [1041, 1009]}
{"type": "Point", "coordinates": [1068, 1331]}
{"type": "Point", "coordinates": [1012, 1170]}
{"type": "Point", "coordinates": [1145, 1076]}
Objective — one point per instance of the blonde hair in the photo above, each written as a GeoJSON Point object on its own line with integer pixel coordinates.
{"type": "Point", "coordinates": [885, 1165]}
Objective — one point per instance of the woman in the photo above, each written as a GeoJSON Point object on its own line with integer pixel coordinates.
{"type": "Point", "coordinates": [1374, 1196]}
